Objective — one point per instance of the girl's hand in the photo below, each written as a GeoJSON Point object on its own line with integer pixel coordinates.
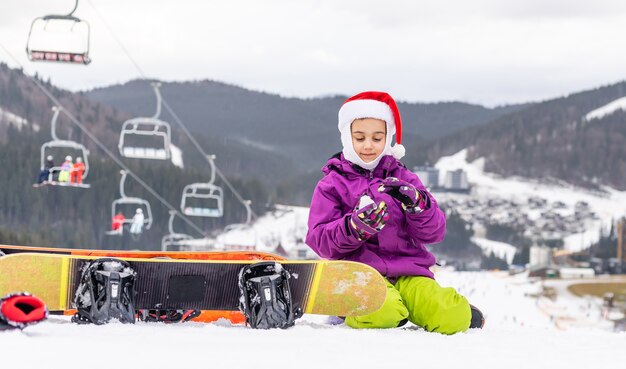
{"type": "Point", "coordinates": [412, 200]}
{"type": "Point", "coordinates": [369, 220]}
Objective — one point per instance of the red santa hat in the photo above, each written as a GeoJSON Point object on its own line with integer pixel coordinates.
{"type": "Point", "coordinates": [372, 104]}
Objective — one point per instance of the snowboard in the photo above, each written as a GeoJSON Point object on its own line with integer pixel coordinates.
{"type": "Point", "coordinates": [206, 316]}
{"type": "Point", "coordinates": [341, 288]}
{"type": "Point", "coordinates": [187, 255]}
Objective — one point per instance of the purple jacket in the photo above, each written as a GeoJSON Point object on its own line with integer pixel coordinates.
{"type": "Point", "coordinates": [398, 249]}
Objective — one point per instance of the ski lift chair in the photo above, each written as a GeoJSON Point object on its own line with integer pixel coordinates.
{"type": "Point", "coordinates": [134, 202]}
{"type": "Point", "coordinates": [64, 146]}
{"type": "Point", "coordinates": [142, 128]}
{"type": "Point", "coordinates": [210, 197]}
{"type": "Point", "coordinates": [145, 127]}
{"type": "Point", "coordinates": [125, 202]}
{"type": "Point", "coordinates": [244, 227]}
{"type": "Point", "coordinates": [174, 241]}
{"type": "Point", "coordinates": [59, 38]}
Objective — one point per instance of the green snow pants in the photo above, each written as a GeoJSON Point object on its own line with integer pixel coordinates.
{"type": "Point", "coordinates": [64, 176]}
{"type": "Point", "coordinates": [422, 301]}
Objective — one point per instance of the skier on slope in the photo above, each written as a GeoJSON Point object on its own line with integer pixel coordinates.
{"type": "Point", "coordinates": [370, 208]}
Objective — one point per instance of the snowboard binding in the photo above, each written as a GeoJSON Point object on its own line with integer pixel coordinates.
{"type": "Point", "coordinates": [106, 291]}
{"type": "Point", "coordinates": [19, 310]}
{"type": "Point", "coordinates": [167, 316]}
{"type": "Point", "coordinates": [265, 296]}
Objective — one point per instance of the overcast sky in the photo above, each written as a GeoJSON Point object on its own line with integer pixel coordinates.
{"type": "Point", "coordinates": [489, 52]}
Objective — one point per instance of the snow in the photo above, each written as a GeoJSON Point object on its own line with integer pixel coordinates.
{"type": "Point", "coordinates": [610, 108]}
{"type": "Point", "coordinates": [500, 249]}
{"type": "Point", "coordinates": [177, 156]}
{"type": "Point", "coordinates": [522, 331]}
{"type": "Point", "coordinates": [286, 225]}
{"type": "Point", "coordinates": [14, 120]}
{"type": "Point", "coordinates": [608, 204]}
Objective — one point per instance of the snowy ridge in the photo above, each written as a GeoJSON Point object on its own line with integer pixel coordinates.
{"type": "Point", "coordinates": [610, 108]}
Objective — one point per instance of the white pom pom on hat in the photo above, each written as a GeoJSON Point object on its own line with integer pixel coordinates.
{"type": "Point", "coordinates": [378, 105]}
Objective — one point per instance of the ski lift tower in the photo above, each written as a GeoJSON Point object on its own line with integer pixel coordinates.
{"type": "Point", "coordinates": [59, 38]}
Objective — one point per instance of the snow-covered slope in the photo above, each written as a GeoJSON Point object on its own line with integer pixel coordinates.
{"type": "Point", "coordinates": [15, 120]}
{"type": "Point", "coordinates": [610, 108]}
{"type": "Point", "coordinates": [500, 249]}
{"type": "Point", "coordinates": [521, 332]}
{"type": "Point", "coordinates": [285, 226]}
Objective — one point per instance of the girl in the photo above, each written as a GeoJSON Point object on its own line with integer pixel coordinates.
{"type": "Point", "coordinates": [371, 209]}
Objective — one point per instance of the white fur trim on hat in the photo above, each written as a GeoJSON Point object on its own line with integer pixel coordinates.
{"type": "Point", "coordinates": [359, 109]}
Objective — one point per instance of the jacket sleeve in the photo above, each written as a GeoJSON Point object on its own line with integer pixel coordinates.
{"type": "Point", "coordinates": [328, 234]}
{"type": "Point", "coordinates": [428, 226]}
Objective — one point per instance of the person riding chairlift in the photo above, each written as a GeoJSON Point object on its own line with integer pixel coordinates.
{"type": "Point", "coordinates": [66, 168]}
{"type": "Point", "coordinates": [76, 175]}
{"type": "Point", "coordinates": [118, 222]}
{"type": "Point", "coordinates": [44, 174]}
{"type": "Point", "coordinates": [137, 222]}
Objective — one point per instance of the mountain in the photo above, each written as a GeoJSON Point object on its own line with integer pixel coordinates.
{"type": "Point", "coordinates": [271, 148]}
{"type": "Point", "coordinates": [304, 131]}
{"type": "Point", "coordinates": [553, 140]}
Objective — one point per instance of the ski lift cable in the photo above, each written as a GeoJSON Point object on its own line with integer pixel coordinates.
{"type": "Point", "coordinates": [119, 42]}
{"type": "Point", "coordinates": [208, 158]}
{"type": "Point", "coordinates": [102, 146]}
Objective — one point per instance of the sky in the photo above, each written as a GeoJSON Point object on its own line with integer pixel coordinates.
{"type": "Point", "coordinates": [489, 52]}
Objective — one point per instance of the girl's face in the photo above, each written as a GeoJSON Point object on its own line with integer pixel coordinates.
{"type": "Point", "coordinates": [368, 138]}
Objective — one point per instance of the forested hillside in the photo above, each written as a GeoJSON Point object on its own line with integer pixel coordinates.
{"type": "Point", "coordinates": [552, 140]}
{"type": "Point", "coordinates": [79, 217]}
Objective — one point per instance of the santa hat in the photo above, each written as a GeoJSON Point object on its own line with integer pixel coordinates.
{"type": "Point", "coordinates": [371, 104]}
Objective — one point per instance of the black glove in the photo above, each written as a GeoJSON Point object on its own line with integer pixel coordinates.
{"type": "Point", "coordinates": [412, 199]}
